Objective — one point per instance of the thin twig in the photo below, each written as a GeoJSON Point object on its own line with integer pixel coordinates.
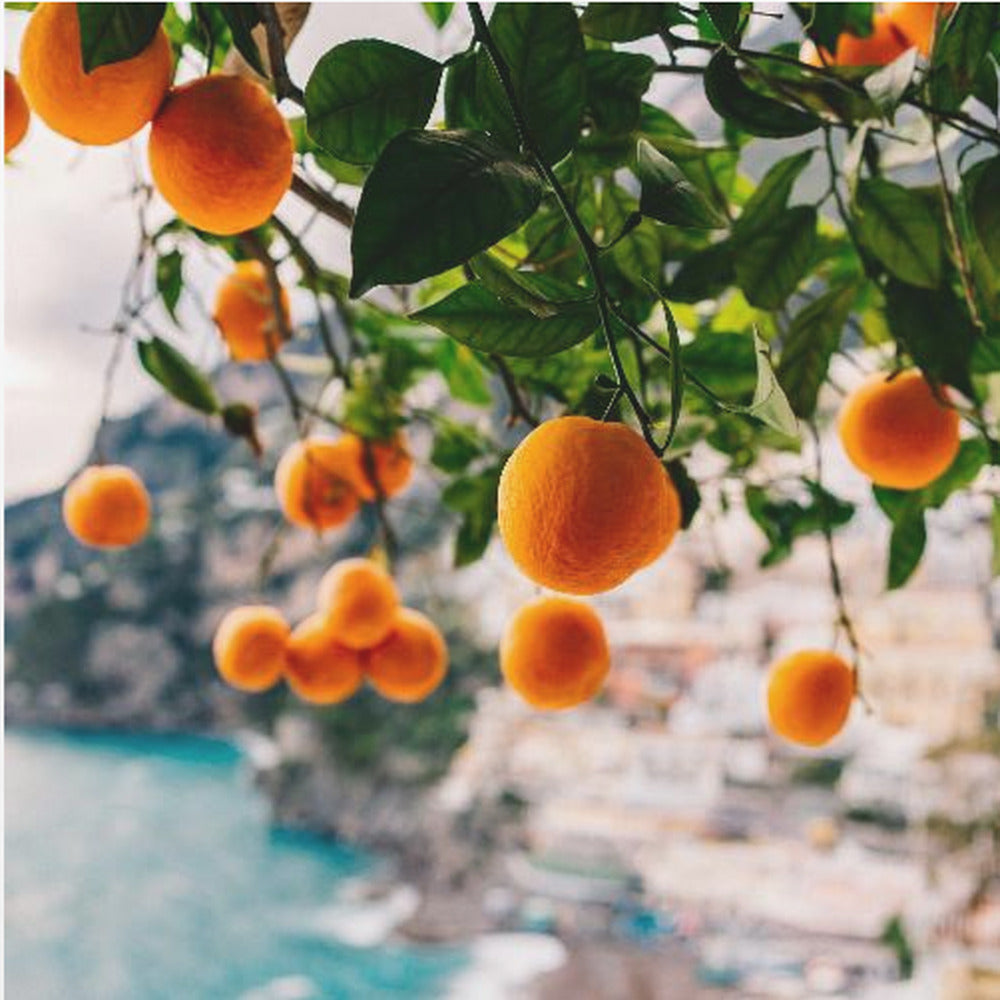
{"type": "Point", "coordinates": [323, 202]}
{"type": "Point", "coordinates": [518, 407]}
{"type": "Point", "coordinates": [283, 83]}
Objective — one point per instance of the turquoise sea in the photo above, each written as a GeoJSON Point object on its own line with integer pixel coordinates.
{"type": "Point", "coordinates": [144, 868]}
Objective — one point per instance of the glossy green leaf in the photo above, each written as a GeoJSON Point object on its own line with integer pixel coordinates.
{"type": "Point", "coordinates": [897, 226]}
{"type": "Point", "coordinates": [725, 19]}
{"type": "Point", "coordinates": [460, 106]}
{"type": "Point", "coordinates": [906, 545]}
{"type": "Point", "coordinates": [770, 265]}
{"type": "Point", "coordinates": [543, 49]}
{"type": "Point", "coordinates": [478, 318]}
{"type": "Point", "coordinates": [935, 329]}
{"type": "Point", "coordinates": [770, 197]}
{"type": "Point", "coordinates": [177, 375]}
{"type": "Point", "coordinates": [439, 13]}
{"type": "Point", "coordinates": [808, 345]}
{"type": "Point", "coordinates": [242, 18]}
{"type": "Point", "coordinates": [170, 279]}
{"type": "Point", "coordinates": [542, 296]}
{"type": "Point", "coordinates": [982, 184]}
{"type": "Point", "coordinates": [113, 32]}
{"type": "Point", "coordinates": [616, 82]}
{"type": "Point", "coordinates": [748, 109]}
{"type": "Point", "coordinates": [622, 22]}
{"type": "Point", "coordinates": [705, 275]}
{"type": "Point", "coordinates": [960, 48]}
{"type": "Point", "coordinates": [770, 405]}
{"type": "Point", "coordinates": [433, 200]}
{"type": "Point", "coordinates": [463, 373]}
{"type": "Point", "coordinates": [364, 92]}
{"type": "Point", "coordinates": [638, 255]}
{"type": "Point", "coordinates": [668, 196]}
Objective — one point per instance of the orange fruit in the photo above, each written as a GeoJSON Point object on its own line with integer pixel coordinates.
{"type": "Point", "coordinates": [411, 662]}
{"type": "Point", "coordinates": [881, 47]}
{"type": "Point", "coordinates": [358, 600]}
{"type": "Point", "coordinates": [107, 507]}
{"type": "Point", "coordinates": [316, 483]}
{"type": "Point", "coordinates": [319, 669]}
{"type": "Point", "coordinates": [221, 153]}
{"type": "Point", "coordinates": [16, 113]}
{"type": "Point", "coordinates": [250, 647]}
{"type": "Point", "coordinates": [98, 108]}
{"type": "Point", "coordinates": [917, 22]}
{"type": "Point", "coordinates": [897, 433]}
{"type": "Point", "coordinates": [809, 696]}
{"type": "Point", "coordinates": [393, 466]}
{"type": "Point", "coordinates": [554, 653]}
{"type": "Point", "coordinates": [582, 505]}
{"type": "Point", "coordinates": [245, 315]}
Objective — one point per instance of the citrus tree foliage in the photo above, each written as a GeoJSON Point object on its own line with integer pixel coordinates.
{"type": "Point", "coordinates": [529, 223]}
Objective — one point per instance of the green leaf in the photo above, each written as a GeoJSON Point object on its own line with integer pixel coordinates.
{"type": "Point", "coordinates": [242, 18]}
{"type": "Point", "coordinates": [725, 361]}
{"type": "Point", "coordinates": [477, 317]}
{"type": "Point", "coordinates": [543, 48]}
{"type": "Point", "coordinates": [770, 405]}
{"type": "Point", "coordinates": [177, 375]}
{"type": "Point", "coordinates": [896, 225]}
{"type": "Point", "coordinates": [906, 545]}
{"type": "Point", "coordinates": [982, 182]}
{"type": "Point", "coordinates": [622, 22]}
{"type": "Point", "coordinates": [785, 520]}
{"type": "Point", "coordinates": [113, 32]}
{"type": "Point", "coordinates": [935, 329]}
{"type": "Point", "coordinates": [887, 86]}
{"type": "Point", "coordinates": [438, 13]}
{"type": "Point", "coordinates": [616, 82]}
{"type": "Point", "coordinates": [748, 109]}
{"type": "Point", "coordinates": [687, 490]}
{"type": "Point", "coordinates": [959, 51]}
{"type": "Point", "coordinates": [676, 372]}
{"type": "Point", "coordinates": [463, 372]}
{"type": "Point", "coordinates": [770, 197]}
{"type": "Point", "coordinates": [433, 200]}
{"type": "Point", "coordinates": [456, 446]}
{"type": "Point", "coordinates": [725, 18]}
{"type": "Point", "coordinates": [826, 21]}
{"type": "Point", "coordinates": [475, 497]}
{"type": "Point", "coordinates": [770, 265]}
{"type": "Point", "coordinates": [704, 275]}
{"type": "Point", "coordinates": [460, 105]}
{"type": "Point", "coordinates": [364, 92]}
{"type": "Point", "coordinates": [668, 196]}
{"type": "Point", "coordinates": [541, 295]}
{"type": "Point", "coordinates": [170, 280]}
{"type": "Point", "coordinates": [812, 337]}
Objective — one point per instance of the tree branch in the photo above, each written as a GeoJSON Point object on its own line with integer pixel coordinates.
{"type": "Point", "coordinates": [283, 84]}
{"type": "Point", "coordinates": [323, 202]}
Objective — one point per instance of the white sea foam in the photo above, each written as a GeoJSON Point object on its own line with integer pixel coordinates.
{"type": "Point", "coordinates": [501, 965]}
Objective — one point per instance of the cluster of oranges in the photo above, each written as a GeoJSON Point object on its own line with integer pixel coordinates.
{"type": "Point", "coordinates": [582, 504]}
{"type": "Point", "coordinates": [896, 27]}
{"type": "Point", "coordinates": [220, 151]}
{"type": "Point", "coordinates": [358, 632]}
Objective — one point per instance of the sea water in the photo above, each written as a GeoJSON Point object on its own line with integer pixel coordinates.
{"type": "Point", "coordinates": [144, 868]}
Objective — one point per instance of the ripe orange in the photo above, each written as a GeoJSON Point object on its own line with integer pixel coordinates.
{"type": "Point", "coordinates": [319, 668]}
{"type": "Point", "coordinates": [250, 647]}
{"type": "Point", "coordinates": [881, 47]}
{"type": "Point", "coordinates": [358, 600]}
{"type": "Point", "coordinates": [554, 653]}
{"type": "Point", "coordinates": [221, 153]}
{"type": "Point", "coordinates": [245, 315]}
{"type": "Point", "coordinates": [809, 696]}
{"type": "Point", "coordinates": [917, 21]}
{"type": "Point", "coordinates": [897, 433]}
{"type": "Point", "coordinates": [316, 483]}
{"type": "Point", "coordinates": [411, 662]}
{"type": "Point", "coordinates": [107, 506]}
{"type": "Point", "coordinates": [16, 113]}
{"type": "Point", "coordinates": [582, 505]}
{"type": "Point", "coordinates": [98, 108]}
{"type": "Point", "coordinates": [393, 466]}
